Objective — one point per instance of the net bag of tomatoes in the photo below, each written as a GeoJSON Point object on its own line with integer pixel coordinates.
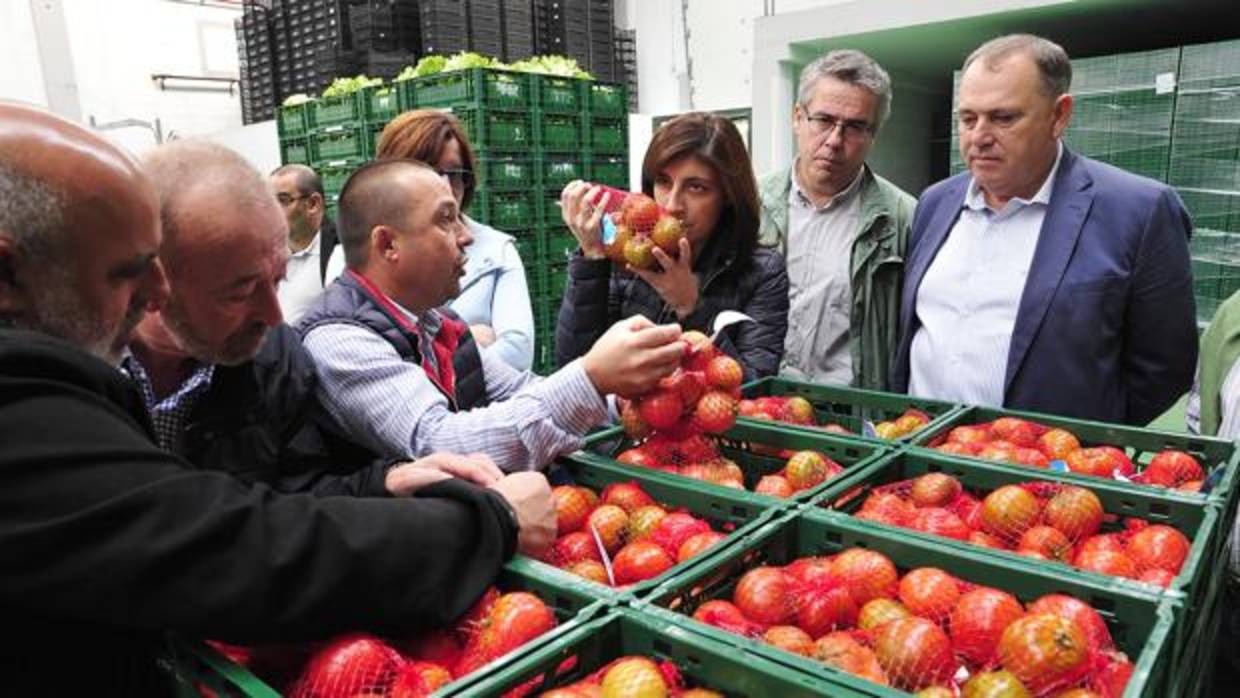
{"type": "Point", "coordinates": [634, 226]}
{"type": "Point", "coordinates": [626, 677]}
{"type": "Point", "coordinates": [364, 664]}
{"type": "Point", "coordinates": [1025, 442]}
{"type": "Point", "coordinates": [924, 631]}
{"type": "Point", "coordinates": [1040, 520]}
{"type": "Point", "coordinates": [798, 410]}
{"type": "Point", "coordinates": [639, 538]}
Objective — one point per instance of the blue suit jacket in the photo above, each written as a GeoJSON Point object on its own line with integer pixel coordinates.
{"type": "Point", "coordinates": [1106, 327]}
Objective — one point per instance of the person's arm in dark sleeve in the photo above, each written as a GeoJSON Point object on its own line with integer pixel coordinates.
{"type": "Point", "coordinates": [97, 525]}
{"type": "Point", "coordinates": [759, 345]}
{"type": "Point", "coordinates": [1160, 325]}
{"type": "Point", "coordinates": [585, 312]}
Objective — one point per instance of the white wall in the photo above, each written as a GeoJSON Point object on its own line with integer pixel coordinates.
{"type": "Point", "coordinates": [22, 77]}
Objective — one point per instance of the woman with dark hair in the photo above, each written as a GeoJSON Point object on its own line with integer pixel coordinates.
{"type": "Point", "coordinates": [494, 298]}
{"type": "Point", "coordinates": [698, 170]}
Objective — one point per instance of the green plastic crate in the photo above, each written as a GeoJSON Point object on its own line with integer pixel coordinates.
{"type": "Point", "coordinates": [612, 170]}
{"type": "Point", "coordinates": [560, 133]}
{"type": "Point", "coordinates": [294, 120]}
{"type": "Point", "coordinates": [754, 447]}
{"type": "Point", "coordinates": [606, 135]}
{"type": "Point", "coordinates": [1140, 444]}
{"type": "Point", "coordinates": [729, 513]}
{"type": "Point", "coordinates": [381, 102]}
{"type": "Point", "coordinates": [704, 662]}
{"type": "Point", "coordinates": [490, 131]}
{"type": "Point", "coordinates": [559, 95]}
{"type": "Point", "coordinates": [352, 143]}
{"type": "Point", "coordinates": [1142, 625]}
{"type": "Point", "coordinates": [560, 246]}
{"type": "Point", "coordinates": [1197, 521]}
{"type": "Point", "coordinates": [574, 603]}
{"type": "Point", "coordinates": [506, 172]}
{"type": "Point", "coordinates": [530, 249]}
{"type": "Point", "coordinates": [851, 407]}
{"type": "Point", "coordinates": [606, 99]}
{"type": "Point", "coordinates": [334, 177]}
{"type": "Point", "coordinates": [557, 279]}
{"type": "Point", "coordinates": [295, 150]}
{"type": "Point", "coordinates": [555, 170]}
{"type": "Point", "coordinates": [478, 87]}
{"type": "Point", "coordinates": [506, 210]}
{"type": "Point", "coordinates": [344, 109]}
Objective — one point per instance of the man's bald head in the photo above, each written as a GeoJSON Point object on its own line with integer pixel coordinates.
{"type": "Point", "coordinates": [369, 199]}
{"type": "Point", "coordinates": [78, 232]}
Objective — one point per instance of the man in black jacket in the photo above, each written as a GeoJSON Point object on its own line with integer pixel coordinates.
{"type": "Point", "coordinates": [106, 541]}
{"type": "Point", "coordinates": [228, 385]}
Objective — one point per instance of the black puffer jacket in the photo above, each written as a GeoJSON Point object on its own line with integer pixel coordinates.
{"type": "Point", "coordinates": [261, 422]}
{"type": "Point", "coordinates": [599, 295]}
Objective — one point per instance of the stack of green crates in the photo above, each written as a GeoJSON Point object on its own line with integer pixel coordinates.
{"type": "Point", "coordinates": [1205, 167]}
{"type": "Point", "coordinates": [531, 135]}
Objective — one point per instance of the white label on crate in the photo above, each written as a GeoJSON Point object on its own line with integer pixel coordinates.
{"type": "Point", "coordinates": [1164, 83]}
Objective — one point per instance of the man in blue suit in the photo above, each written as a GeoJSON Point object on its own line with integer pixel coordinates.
{"type": "Point", "coordinates": [1041, 279]}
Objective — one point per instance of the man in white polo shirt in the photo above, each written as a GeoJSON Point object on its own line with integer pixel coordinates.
{"type": "Point", "coordinates": [1041, 279]}
{"type": "Point", "coordinates": [314, 257]}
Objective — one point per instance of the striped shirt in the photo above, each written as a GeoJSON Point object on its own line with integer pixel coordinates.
{"type": "Point", "coordinates": [970, 295]}
{"type": "Point", "coordinates": [391, 405]}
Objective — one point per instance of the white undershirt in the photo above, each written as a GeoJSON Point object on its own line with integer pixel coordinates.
{"type": "Point", "coordinates": [303, 282]}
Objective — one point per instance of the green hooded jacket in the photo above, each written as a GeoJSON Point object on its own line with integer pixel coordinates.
{"type": "Point", "coordinates": [877, 267]}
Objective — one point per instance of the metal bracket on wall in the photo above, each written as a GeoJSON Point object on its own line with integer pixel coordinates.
{"type": "Point", "coordinates": [154, 127]}
{"type": "Point", "coordinates": [161, 80]}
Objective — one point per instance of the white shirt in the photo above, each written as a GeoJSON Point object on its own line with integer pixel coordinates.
{"type": "Point", "coordinates": [819, 261]}
{"type": "Point", "coordinates": [302, 281]}
{"type": "Point", "coordinates": [970, 295]}
{"type": "Point", "coordinates": [1229, 405]}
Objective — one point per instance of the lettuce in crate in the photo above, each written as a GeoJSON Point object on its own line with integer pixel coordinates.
{"type": "Point", "coordinates": [344, 86]}
{"type": "Point", "coordinates": [552, 65]}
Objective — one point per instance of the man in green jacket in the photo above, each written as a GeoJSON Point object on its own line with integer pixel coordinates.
{"type": "Point", "coordinates": [842, 228]}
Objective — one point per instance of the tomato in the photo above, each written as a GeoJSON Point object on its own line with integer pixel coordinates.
{"type": "Point", "coordinates": [676, 528]}
{"type": "Point", "coordinates": [629, 496]}
{"type": "Point", "coordinates": [934, 490]}
{"type": "Point", "coordinates": [436, 646]}
{"type": "Point", "coordinates": [1075, 511]}
{"type": "Point", "coordinates": [789, 638]}
{"type": "Point", "coordinates": [634, 677]}
{"type": "Point", "coordinates": [572, 505]}
{"type": "Point", "coordinates": [1077, 693]}
{"type": "Point", "coordinates": [350, 664]}
{"type": "Point", "coordinates": [1058, 443]}
{"type": "Point", "coordinates": [1000, 451]}
{"type": "Point", "coordinates": [958, 449]}
{"type": "Point", "coordinates": [1020, 432]}
{"type": "Point", "coordinates": [643, 521]}
{"type": "Point", "coordinates": [806, 469]}
{"type": "Point", "coordinates": [842, 651]}
{"type": "Point", "coordinates": [1123, 464]}
{"type": "Point", "coordinates": [1098, 462]}
{"type": "Point", "coordinates": [592, 570]}
{"type": "Point", "coordinates": [939, 522]}
{"type": "Point", "coordinates": [726, 616]}
{"type": "Point", "coordinates": [1162, 578]}
{"type": "Point", "coordinates": [994, 684]}
{"type": "Point", "coordinates": [978, 621]}
{"type": "Point", "coordinates": [824, 607]}
{"type": "Point", "coordinates": [764, 595]}
{"type": "Point", "coordinates": [1010, 511]}
{"type": "Point", "coordinates": [1170, 468]}
{"type": "Point", "coordinates": [888, 508]}
{"type": "Point", "coordinates": [1159, 547]}
{"type": "Point", "coordinates": [697, 544]}
{"type": "Point", "coordinates": [1048, 541]}
{"type": "Point", "coordinates": [516, 618]}
{"type": "Point", "coordinates": [811, 572]}
{"type": "Point", "coordinates": [639, 457]}
{"type": "Point", "coordinates": [879, 612]}
{"type": "Point", "coordinates": [1079, 612]}
{"type": "Point", "coordinates": [1032, 457]}
{"type": "Point", "coordinates": [639, 561]}
{"type": "Point", "coordinates": [930, 593]}
{"type": "Point", "coordinates": [986, 540]}
{"type": "Point", "coordinates": [867, 574]}
{"type": "Point", "coordinates": [1106, 562]}
{"type": "Point", "coordinates": [774, 486]}
{"type": "Point", "coordinates": [969, 434]}
{"type": "Point", "coordinates": [1105, 541]}
{"type": "Point", "coordinates": [914, 652]}
{"type": "Point", "coordinates": [468, 625]}
{"type": "Point", "coordinates": [418, 680]}
{"type": "Point", "coordinates": [1111, 680]}
{"type": "Point", "coordinates": [969, 509]}
{"type": "Point", "coordinates": [573, 548]}
{"type": "Point", "coordinates": [1044, 651]}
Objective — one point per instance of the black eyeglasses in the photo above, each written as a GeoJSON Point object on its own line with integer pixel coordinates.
{"type": "Point", "coordinates": [824, 125]}
{"type": "Point", "coordinates": [285, 199]}
{"type": "Point", "coordinates": [458, 179]}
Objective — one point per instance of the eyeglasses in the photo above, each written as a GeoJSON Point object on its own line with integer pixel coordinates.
{"type": "Point", "coordinates": [458, 179]}
{"type": "Point", "coordinates": [286, 199]}
{"type": "Point", "coordinates": [823, 125]}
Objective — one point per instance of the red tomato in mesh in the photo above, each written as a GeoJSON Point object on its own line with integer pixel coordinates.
{"type": "Point", "coordinates": [1107, 562]}
{"type": "Point", "coordinates": [939, 522]}
{"type": "Point", "coordinates": [934, 490]}
{"type": "Point", "coordinates": [592, 570]}
{"type": "Point", "coordinates": [1111, 680]}
{"type": "Point", "coordinates": [1020, 432]}
{"type": "Point", "coordinates": [1162, 578]}
{"type": "Point", "coordinates": [1010, 511]}
{"type": "Point", "coordinates": [764, 595]}
{"type": "Point", "coordinates": [1106, 541]}
{"type": "Point", "coordinates": [639, 561]}
{"type": "Point", "coordinates": [629, 496]}
{"type": "Point", "coordinates": [348, 665]}
{"type": "Point", "coordinates": [824, 607]}
{"type": "Point", "coordinates": [1058, 443]}
{"type": "Point", "coordinates": [726, 616]}
{"type": "Point", "coordinates": [1079, 612]}
{"type": "Point", "coordinates": [915, 653]}
{"type": "Point", "coordinates": [774, 486]}
{"type": "Point", "coordinates": [930, 593]}
{"type": "Point", "coordinates": [470, 623]}
{"type": "Point", "coordinates": [419, 679]}
{"type": "Point", "coordinates": [1170, 468]}
{"type": "Point", "coordinates": [436, 646]}
{"type": "Point", "coordinates": [1044, 651]}
{"type": "Point", "coordinates": [867, 574]}
{"type": "Point", "coordinates": [978, 621]}
{"type": "Point", "coordinates": [1050, 542]}
{"type": "Point", "coordinates": [572, 505]}
{"type": "Point", "coordinates": [810, 571]}
{"type": "Point", "coordinates": [697, 544]}
{"type": "Point", "coordinates": [878, 612]}
{"type": "Point", "coordinates": [986, 540]}
{"type": "Point", "coordinates": [888, 508]}
{"type": "Point", "coordinates": [515, 619]}
{"type": "Point", "coordinates": [842, 651]}
{"type": "Point", "coordinates": [789, 638]}
{"type": "Point", "coordinates": [975, 434]}
{"type": "Point", "coordinates": [1159, 547]}
{"type": "Point", "coordinates": [573, 548]}
{"type": "Point", "coordinates": [676, 528]}
{"type": "Point", "coordinates": [1075, 511]}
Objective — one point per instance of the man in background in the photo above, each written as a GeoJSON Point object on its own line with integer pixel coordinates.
{"type": "Point", "coordinates": [314, 259]}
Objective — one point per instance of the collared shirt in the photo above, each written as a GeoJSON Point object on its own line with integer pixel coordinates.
{"type": "Point", "coordinates": [1229, 406]}
{"type": "Point", "coordinates": [819, 260]}
{"type": "Point", "coordinates": [970, 296]}
{"type": "Point", "coordinates": [168, 416]}
{"type": "Point", "coordinates": [303, 279]}
{"type": "Point", "coordinates": [392, 406]}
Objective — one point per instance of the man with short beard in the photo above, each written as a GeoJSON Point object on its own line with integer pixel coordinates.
{"type": "Point", "coordinates": [228, 385]}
